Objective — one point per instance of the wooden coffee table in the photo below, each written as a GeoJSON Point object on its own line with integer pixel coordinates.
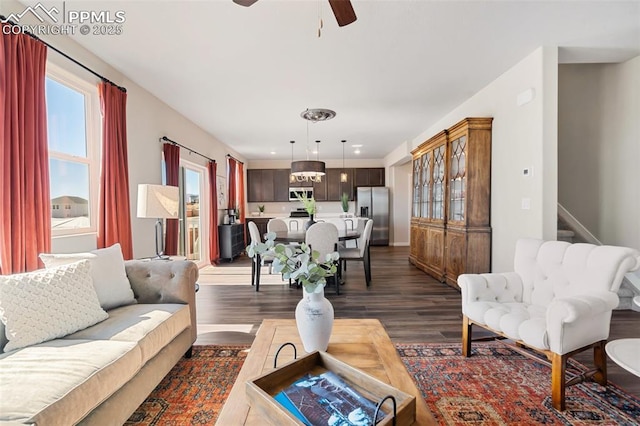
{"type": "Point", "coordinates": [362, 343]}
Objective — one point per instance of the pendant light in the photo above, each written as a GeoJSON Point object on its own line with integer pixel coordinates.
{"type": "Point", "coordinates": [343, 175]}
{"type": "Point", "coordinates": [292, 178]}
{"type": "Point", "coordinates": [311, 170]}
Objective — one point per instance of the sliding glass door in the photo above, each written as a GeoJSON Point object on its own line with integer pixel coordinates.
{"type": "Point", "coordinates": [193, 213]}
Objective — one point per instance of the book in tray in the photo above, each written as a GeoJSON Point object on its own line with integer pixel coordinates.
{"type": "Point", "coordinates": [326, 399]}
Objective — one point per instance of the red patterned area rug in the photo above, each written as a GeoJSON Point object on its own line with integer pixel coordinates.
{"type": "Point", "coordinates": [500, 386]}
{"type": "Point", "coordinates": [195, 390]}
{"type": "Point", "coordinates": [495, 386]}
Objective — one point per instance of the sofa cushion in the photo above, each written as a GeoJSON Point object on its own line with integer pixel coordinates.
{"type": "Point", "coordinates": [107, 270]}
{"type": "Point", "coordinates": [48, 303]}
{"type": "Point", "coordinates": [519, 321]}
{"type": "Point", "coordinates": [152, 326]}
{"type": "Point", "coordinates": [48, 384]}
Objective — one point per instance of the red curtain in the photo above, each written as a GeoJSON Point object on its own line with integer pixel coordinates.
{"type": "Point", "coordinates": [115, 216]}
{"type": "Point", "coordinates": [172, 171]}
{"type": "Point", "coordinates": [214, 248]}
{"type": "Point", "coordinates": [25, 210]}
{"type": "Point", "coordinates": [231, 204]}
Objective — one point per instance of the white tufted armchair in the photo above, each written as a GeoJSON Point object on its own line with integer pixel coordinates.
{"type": "Point", "coordinates": [558, 301]}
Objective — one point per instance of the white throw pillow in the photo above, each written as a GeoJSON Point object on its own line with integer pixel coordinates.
{"type": "Point", "coordinates": [48, 303]}
{"type": "Point", "coordinates": [108, 273]}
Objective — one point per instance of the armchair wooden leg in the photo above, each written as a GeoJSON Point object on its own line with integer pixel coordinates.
{"type": "Point", "coordinates": [189, 352]}
{"type": "Point", "coordinates": [558, 367]}
{"type": "Point", "coordinates": [600, 361]}
{"type": "Point", "coordinates": [466, 336]}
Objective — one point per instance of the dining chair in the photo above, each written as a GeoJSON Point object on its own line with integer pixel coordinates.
{"type": "Point", "coordinates": [360, 222]}
{"type": "Point", "coordinates": [258, 260]}
{"type": "Point", "coordinates": [277, 225]}
{"type": "Point", "coordinates": [323, 238]}
{"type": "Point", "coordinates": [360, 253]}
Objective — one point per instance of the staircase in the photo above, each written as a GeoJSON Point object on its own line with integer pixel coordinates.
{"type": "Point", "coordinates": [572, 231]}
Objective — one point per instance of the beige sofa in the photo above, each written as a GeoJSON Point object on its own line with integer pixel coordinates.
{"type": "Point", "coordinates": [101, 374]}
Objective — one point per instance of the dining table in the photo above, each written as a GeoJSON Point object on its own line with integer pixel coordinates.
{"type": "Point", "coordinates": [297, 236]}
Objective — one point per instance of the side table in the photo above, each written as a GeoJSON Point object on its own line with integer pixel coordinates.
{"type": "Point", "coordinates": [625, 353]}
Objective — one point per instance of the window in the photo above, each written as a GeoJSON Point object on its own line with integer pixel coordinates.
{"type": "Point", "coordinates": [74, 147]}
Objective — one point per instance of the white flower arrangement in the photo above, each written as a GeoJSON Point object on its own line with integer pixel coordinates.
{"type": "Point", "coordinates": [298, 263]}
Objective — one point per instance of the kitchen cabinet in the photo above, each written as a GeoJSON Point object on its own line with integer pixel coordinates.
{"type": "Point", "coordinates": [272, 185]}
{"type": "Point", "coordinates": [267, 185]}
{"type": "Point", "coordinates": [281, 185]}
{"type": "Point", "coordinates": [335, 187]}
{"type": "Point", "coordinates": [369, 177]}
{"type": "Point", "coordinates": [450, 225]}
{"type": "Point", "coordinates": [320, 189]}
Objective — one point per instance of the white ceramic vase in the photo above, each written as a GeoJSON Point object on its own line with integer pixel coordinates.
{"type": "Point", "coordinates": [314, 318]}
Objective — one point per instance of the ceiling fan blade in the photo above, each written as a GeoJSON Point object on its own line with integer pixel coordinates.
{"type": "Point", "coordinates": [343, 10]}
{"type": "Point", "coordinates": [245, 3]}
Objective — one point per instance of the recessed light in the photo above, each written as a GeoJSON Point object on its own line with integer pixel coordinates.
{"type": "Point", "coordinates": [273, 153]}
{"type": "Point", "coordinates": [357, 151]}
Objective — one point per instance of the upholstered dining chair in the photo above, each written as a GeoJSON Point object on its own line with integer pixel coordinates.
{"type": "Point", "coordinates": [277, 225]}
{"type": "Point", "coordinates": [323, 238]}
{"type": "Point", "coordinates": [359, 253]}
{"type": "Point", "coordinates": [258, 260]}
{"type": "Point", "coordinates": [557, 301]}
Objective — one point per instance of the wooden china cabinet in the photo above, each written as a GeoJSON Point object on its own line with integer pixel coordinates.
{"type": "Point", "coordinates": [450, 224]}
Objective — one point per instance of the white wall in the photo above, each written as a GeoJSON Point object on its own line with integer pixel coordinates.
{"type": "Point", "coordinates": [599, 148]}
{"type": "Point", "coordinates": [523, 137]}
{"type": "Point", "coordinates": [148, 119]}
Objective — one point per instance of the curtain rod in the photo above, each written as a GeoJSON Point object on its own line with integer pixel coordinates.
{"type": "Point", "coordinates": [231, 156]}
{"type": "Point", "coordinates": [166, 139]}
{"type": "Point", "coordinates": [23, 31]}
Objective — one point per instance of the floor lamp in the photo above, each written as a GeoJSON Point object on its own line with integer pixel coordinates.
{"type": "Point", "coordinates": [159, 202]}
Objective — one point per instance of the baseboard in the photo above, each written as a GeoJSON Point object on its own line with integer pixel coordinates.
{"type": "Point", "coordinates": [399, 244]}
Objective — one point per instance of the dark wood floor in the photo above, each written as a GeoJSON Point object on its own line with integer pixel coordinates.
{"type": "Point", "coordinates": [412, 306]}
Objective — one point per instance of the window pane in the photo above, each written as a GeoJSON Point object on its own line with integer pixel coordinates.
{"type": "Point", "coordinates": [65, 119]}
{"type": "Point", "coordinates": [69, 194]}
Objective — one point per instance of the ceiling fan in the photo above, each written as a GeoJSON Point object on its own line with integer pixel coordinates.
{"type": "Point", "coordinates": [342, 9]}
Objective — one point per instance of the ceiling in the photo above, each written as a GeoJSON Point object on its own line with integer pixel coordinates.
{"type": "Point", "coordinates": [244, 75]}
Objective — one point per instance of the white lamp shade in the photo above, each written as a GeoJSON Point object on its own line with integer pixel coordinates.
{"type": "Point", "coordinates": [158, 201]}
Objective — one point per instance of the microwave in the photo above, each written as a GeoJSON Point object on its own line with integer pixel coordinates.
{"type": "Point", "coordinates": [308, 192]}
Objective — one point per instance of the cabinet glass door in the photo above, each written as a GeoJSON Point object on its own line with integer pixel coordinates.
{"type": "Point", "coordinates": [438, 183]}
{"type": "Point", "coordinates": [427, 165]}
{"type": "Point", "coordinates": [416, 186]}
{"type": "Point", "coordinates": [458, 180]}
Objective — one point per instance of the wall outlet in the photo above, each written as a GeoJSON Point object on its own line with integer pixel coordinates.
{"type": "Point", "coordinates": [527, 171]}
{"type": "Point", "coordinates": [526, 204]}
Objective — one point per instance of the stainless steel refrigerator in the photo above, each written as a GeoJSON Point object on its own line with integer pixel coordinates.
{"type": "Point", "coordinates": [373, 202]}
